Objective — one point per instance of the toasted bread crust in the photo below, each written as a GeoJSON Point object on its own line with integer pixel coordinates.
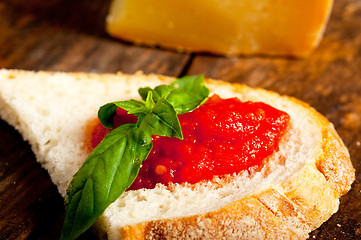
{"type": "Point", "coordinates": [290, 210]}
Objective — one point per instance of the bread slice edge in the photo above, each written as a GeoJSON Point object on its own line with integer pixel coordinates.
{"type": "Point", "coordinates": [291, 208]}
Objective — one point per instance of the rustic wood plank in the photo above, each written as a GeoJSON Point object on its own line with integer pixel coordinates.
{"type": "Point", "coordinates": [37, 37]}
{"type": "Point", "coordinates": [74, 52]}
{"type": "Point", "coordinates": [329, 80]}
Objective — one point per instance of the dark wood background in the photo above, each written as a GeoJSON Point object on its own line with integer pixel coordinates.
{"type": "Point", "coordinates": [68, 35]}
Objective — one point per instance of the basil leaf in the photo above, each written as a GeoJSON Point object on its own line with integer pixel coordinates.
{"type": "Point", "coordinates": [132, 106]}
{"type": "Point", "coordinates": [149, 102]}
{"type": "Point", "coordinates": [161, 91]}
{"type": "Point", "coordinates": [109, 110]}
{"type": "Point", "coordinates": [107, 172]}
{"type": "Point", "coordinates": [162, 121]}
{"type": "Point", "coordinates": [106, 114]}
{"type": "Point", "coordinates": [189, 93]}
{"type": "Point", "coordinates": [143, 92]}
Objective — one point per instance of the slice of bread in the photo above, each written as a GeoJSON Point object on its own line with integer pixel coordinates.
{"type": "Point", "coordinates": [295, 193]}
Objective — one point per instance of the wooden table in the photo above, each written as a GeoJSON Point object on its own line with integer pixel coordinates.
{"type": "Point", "coordinates": [67, 35]}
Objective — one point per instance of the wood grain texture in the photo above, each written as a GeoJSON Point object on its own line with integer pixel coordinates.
{"type": "Point", "coordinates": [66, 35]}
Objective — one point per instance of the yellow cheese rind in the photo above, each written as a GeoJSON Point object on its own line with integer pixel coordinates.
{"type": "Point", "coordinates": [232, 27]}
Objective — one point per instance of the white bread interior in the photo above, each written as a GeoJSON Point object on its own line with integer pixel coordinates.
{"type": "Point", "coordinates": [51, 110]}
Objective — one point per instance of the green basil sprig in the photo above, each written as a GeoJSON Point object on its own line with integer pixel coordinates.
{"type": "Point", "coordinates": [114, 164]}
{"type": "Point", "coordinates": [184, 94]}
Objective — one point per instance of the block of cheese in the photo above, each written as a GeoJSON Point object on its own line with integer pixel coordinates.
{"type": "Point", "coordinates": [230, 27]}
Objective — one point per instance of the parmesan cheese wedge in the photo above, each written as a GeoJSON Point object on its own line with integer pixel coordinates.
{"type": "Point", "coordinates": [278, 27]}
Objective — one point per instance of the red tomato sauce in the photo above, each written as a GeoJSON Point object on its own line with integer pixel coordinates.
{"type": "Point", "coordinates": [223, 136]}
